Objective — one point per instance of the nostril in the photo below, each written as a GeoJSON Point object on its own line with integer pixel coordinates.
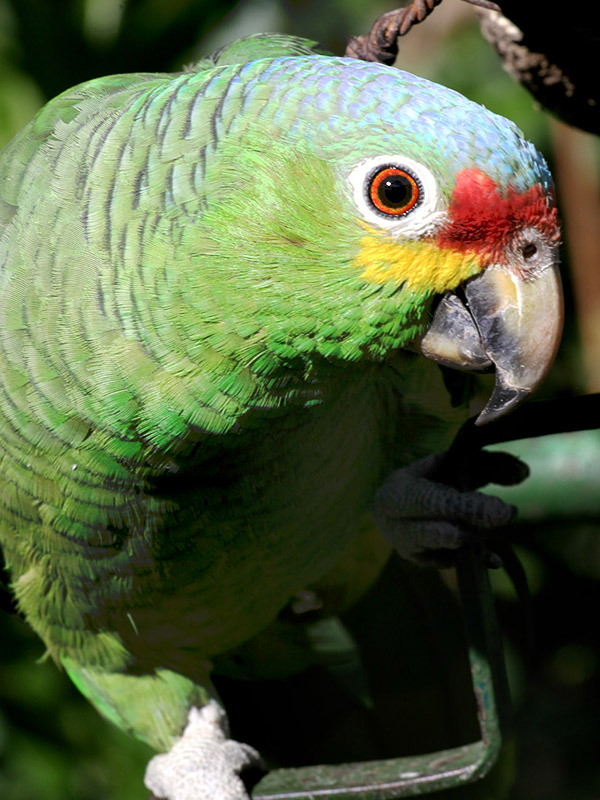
{"type": "Point", "coordinates": [529, 250]}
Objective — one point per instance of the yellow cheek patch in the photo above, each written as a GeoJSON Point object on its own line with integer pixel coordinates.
{"type": "Point", "coordinates": [421, 265]}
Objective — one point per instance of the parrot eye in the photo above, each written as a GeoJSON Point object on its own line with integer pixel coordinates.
{"type": "Point", "coordinates": [393, 190]}
{"type": "Point", "coordinates": [396, 192]}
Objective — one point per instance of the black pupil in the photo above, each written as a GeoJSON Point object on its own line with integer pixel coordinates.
{"type": "Point", "coordinates": [395, 191]}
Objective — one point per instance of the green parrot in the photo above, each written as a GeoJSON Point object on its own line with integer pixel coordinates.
{"type": "Point", "coordinates": [223, 294]}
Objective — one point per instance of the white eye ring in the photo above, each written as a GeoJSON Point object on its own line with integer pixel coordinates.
{"type": "Point", "coordinates": [419, 218]}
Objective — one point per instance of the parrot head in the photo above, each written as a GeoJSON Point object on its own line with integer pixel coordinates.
{"type": "Point", "coordinates": [375, 210]}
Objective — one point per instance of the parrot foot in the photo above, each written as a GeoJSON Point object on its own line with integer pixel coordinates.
{"type": "Point", "coordinates": [427, 521]}
{"type": "Point", "coordinates": [204, 764]}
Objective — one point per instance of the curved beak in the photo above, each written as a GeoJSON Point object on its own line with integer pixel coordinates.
{"type": "Point", "coordinates": [510, 318]}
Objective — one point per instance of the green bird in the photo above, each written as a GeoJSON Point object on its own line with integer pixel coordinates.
{"type": "Point", "coordinates": [217, 289]}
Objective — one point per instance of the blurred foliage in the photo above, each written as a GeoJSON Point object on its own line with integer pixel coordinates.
{"type": "Point", "coordinates": [52, 744]}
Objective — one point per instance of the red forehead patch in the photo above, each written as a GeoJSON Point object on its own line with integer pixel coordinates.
{"type": "Point", "coordinates": [484, 221]}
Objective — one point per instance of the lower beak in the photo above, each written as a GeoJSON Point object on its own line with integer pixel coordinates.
{"type": "Point", "coordinates": [506, 319]}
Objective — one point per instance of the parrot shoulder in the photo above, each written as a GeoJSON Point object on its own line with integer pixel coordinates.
{"type": "Point", "coordinates": [71, 109]}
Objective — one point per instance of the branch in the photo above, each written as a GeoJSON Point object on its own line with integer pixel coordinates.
{"type": "Point", "coordinates": [550, 56]}
{"type": "Point", "coordinates": [381, 43]}
{"type": "Point", "coordinates": [541, 418]}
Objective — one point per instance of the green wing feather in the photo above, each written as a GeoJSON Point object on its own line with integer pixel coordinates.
{"type": "Point", "coordinates": [264, 45]}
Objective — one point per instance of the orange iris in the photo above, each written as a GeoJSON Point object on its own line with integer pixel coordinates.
{"type": "Point", "coordinates": [394, 191]}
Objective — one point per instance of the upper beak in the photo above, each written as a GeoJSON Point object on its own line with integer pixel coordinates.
{"type": "Point", "coordinates": [509, 317]}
